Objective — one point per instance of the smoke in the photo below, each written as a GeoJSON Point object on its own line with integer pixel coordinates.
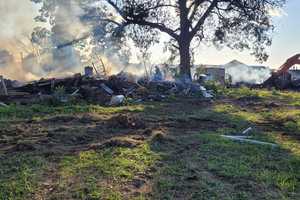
{"type": "Point", "coordinates": [13, 22]}
{"type": "Point", "coordinates": [247, 74]}
{"type": "Point", "coordinates": [5, 58]}
{"type": "Point", "coordinates": [60, 59]}
{"type": "Point", "coordinates": [67, 28]}
{"type": "Point", "coordinates": [24, 60]}
{"type": "Point", "coordinates": [15, 30]}
{"type": "Point", "coordinates": [70, 26]}
{"type": "Point", "coordinates": [20, 58]}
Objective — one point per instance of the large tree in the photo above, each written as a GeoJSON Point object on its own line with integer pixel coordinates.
{"type": "Point", "coordinates": [238, 24]}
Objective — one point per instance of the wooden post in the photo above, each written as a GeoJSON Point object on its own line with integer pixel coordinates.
{"type": "Point", "coordinates": [3, 89]}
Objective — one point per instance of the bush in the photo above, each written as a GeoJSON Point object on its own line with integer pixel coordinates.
{"type": "Point", "coordinates": [216, 87]}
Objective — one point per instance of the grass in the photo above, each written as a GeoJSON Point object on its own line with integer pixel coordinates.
{"type": "Point", "coordinates": [19, 176]}
{"type": "Point", "coordinates": [235, 161]}
{"type": "Point", "coordinates": [217, 168]}
{"type": "Point", "coordinates": [188, 159]}
{"type": "Point", "coordinates": [91, 168]}
{"type": "Point", "coordinates": [289, 97]}
{"type": "Point", "coordinates": [14, 112]}
{"type": "Point", "coordinates": [118, 163]}
{"type": "Point", "coordinates": [237, 113]}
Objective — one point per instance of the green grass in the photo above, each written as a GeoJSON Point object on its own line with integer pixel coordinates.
{"type": "Point", "coordinates": [288, 97]}
{"type": "Point", "coordinates": [192, 163]}
{"type": "Point", "coordinates": [234, 161]}
{"type": "Point", "coordinates": [14, 112]}
{"type": "Point", "coordinates": [218, 168]}
{"type": "Point", "coordinates": [92, 167]}
{"type": "Point", "coordinates": [19, 175]}
{"type": "Point", "coordinates": [237, 113]}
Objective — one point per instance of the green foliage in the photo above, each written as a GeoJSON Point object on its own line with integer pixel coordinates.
{"type": "Point", "coordinates": [216, 87]}
{"type": "Point", "coordinates": [60, 92]}
{"type": "Point", "coordinates": [243, 92]}
{"type": "Point", "coordinates": [291, 126]}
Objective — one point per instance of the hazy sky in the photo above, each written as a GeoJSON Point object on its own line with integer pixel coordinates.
{"type": "Point", "coordinates": [286, 41]}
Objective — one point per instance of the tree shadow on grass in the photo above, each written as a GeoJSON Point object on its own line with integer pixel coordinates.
{"type": "Point", "coordinates": [200, 164]}
{"type": "Point", "coordinates": [179, 155]}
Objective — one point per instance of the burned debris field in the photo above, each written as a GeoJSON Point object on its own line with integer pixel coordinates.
{"type": "Point", "coordinates": [149, 100]}
{"type": "Point", "coordinates": [169, 149]}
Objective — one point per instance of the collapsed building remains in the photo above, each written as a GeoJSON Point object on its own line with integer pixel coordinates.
{"type": "Point", "coordinates": [234, 72]}
{"type": "Point", "coordinates": [109, 90]}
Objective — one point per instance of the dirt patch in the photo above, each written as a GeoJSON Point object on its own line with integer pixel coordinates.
{"type": "Point", "coordinates": [195, 124]}
{"type": "Point", "coordinates": [117, 142]}
{"type": "Point", "coordinates": [85, 118]}
{"type": "Point", "coordinates": [127, 121]}
{"type": "Point", "coordinates": [60, 119]}
{"type": "Point", "coordinates": [161, 137]}
{"type": "Point", "coordinates": [24, 146]}
{"type": "Point", "coordinates": [250, 99]}
{"type": "Point", "coordinates": [69, 131]}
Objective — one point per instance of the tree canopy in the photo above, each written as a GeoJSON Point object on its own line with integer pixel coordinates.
{"type": "Point", "coordinates": [237, 24]}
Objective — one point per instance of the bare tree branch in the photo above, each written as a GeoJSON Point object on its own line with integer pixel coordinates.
{"type": "Point", "coordinates": [213, 4]}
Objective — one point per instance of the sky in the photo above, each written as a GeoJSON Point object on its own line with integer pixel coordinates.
{"type": "Point", "coordinates": [286, 40]}
{"type": "Point", "coordinates": [286, 43]}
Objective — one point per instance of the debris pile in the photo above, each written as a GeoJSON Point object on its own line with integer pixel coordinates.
{"type": "Point", "coordinates": [113, 90]}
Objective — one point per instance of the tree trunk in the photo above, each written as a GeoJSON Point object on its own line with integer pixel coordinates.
{"type": "Point", "coordinates": [185, 60]}
{"type": "Point", "coordinates": [184, 42]}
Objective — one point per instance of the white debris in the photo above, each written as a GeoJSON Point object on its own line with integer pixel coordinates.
{"type": "Point", "coordinates": [205, 93]}
{"type": "Point", "coordinates": [202, 88]}
{"type": "Point", "coordinates": [117, 100]}
{"type": "Point", "coordinates": [245, 139]}
{"type": "Point", "coordinates": [3, 104]}
{"type": "Point", "coordinates": [75, 92]}
{"type": "Point", "coordinates": [245, 132]}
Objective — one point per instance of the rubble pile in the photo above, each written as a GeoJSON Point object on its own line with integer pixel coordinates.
{"type": "Point", "coordinates": [113, 90]}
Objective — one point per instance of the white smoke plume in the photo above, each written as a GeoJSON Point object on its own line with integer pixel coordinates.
{"type": "Point", "coordinates": [240, 72]}
{"type": "Point", "coordinates": [23, 60]}
{"type": "Point", "coordinates": [15, 29]}
{"type": "Point", "coordinates": [62, 61]}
